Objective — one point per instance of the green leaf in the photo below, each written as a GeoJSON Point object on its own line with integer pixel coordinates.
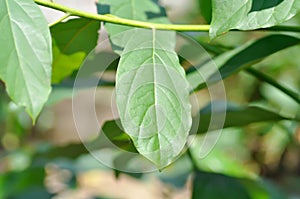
{"type": "Point", "coordinates": [26, 54]}
{"type": "Point", "coordinates": [217, 186]}
{"type": "Point", "coordinates": [152, 96]}
{"type": "Point", "coordinates": [250, 14]}
{"type": "Point", "coordinates": [239, 58]}
{"type": "Point", "coordinates": [235, 115]}
{"type": "Point", "coordinates": [151, 89]}
{"type": "Point", "coordinates": [71, 46]}
{"type": "Point", "coordinates": [28, 182]}
{"type": "Point", "coordinates": [263, 189]}
{"type": "Point", "coordinates": [206, 9]}
{"type": "Point", "coordinates": [70, 151]}
{"type": "Point", "coordinates": [142, 10]}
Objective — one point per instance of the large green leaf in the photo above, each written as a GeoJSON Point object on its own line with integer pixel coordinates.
{"type": "Point", "coordinates": [151, 89]}
{"type": "Point", "coordinates": [239, 58]}
{"type": "Point", "coordinates": [250, 14]}
{"type": "Point", "coordinates": [71, 46]}
{"type": "Point", "coordinates": [217, 186]}
{"type": "Point", "coordinates": [152, 96]}
{"type": "Point", "coordinates": [26, 54]}
{"type": "Point", "coordinates": [235, 116]}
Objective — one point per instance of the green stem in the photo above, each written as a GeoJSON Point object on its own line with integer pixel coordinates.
{"type": "Point", "coordinates": [122, 21]}
{"type": "Point", "coordinates": [274, 83]}
{"type": "Point", "coordinates": [141, 24]}
{"type": "Point", "coordinates": [60, 19]}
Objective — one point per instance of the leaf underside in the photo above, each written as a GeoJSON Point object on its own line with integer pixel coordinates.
{"type": "Point", "coordinates": [26, 54]}
{"type": "Point", "coordinates": [151, 89]}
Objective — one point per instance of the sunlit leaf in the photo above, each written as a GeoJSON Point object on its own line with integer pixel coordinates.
{"type": "Point", "coordinates": [72, 42]}
{"type": "Point", "coordinates": [152, 97]}
{"type": "Point", "coordinates": [26, 54]}
{"type": "Point", "coordinates": [151, 89]}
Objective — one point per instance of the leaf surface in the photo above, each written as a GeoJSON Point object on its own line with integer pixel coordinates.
{"type": "Point", "coordinates": [153, 98]}
{"type": "Point", "coordinates": [215, 186]}
{"type": "Point", "coordinates": [236, 116]}
{"type": "Point", "coordinates": [151, 88]}
{"type": "Point", "coordinates": [250, 14]}
{"type": "Point", "coordinates": [72, 42]}
{"type": "Point", "coordinates": [26, 54]}
{"type": "Point", "coordinates": [235, 60]}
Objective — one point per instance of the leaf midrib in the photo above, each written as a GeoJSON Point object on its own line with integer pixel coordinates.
{"type": "Point", "coordinates": [154, 84]}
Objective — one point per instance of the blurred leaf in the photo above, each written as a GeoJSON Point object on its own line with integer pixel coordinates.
{"type": "Point", "coordinates": [112, 132]}
{"type": "Point", "coordinates": [26, 54]}
{"type": "Point", "coordinates": [226, 156]}
{"type": "Point", "coordinates": [239, 58]}
{"type": "Point", "coordinates": [234, 116]}
{"type": "Point", "coordinates": [33, 193]}
{"type": "Point", "coordinates": [250, 14]}
{"type": "Point", "coordinates": [206, 9]}
{"type": "Point", "coordinates": [121, 161]}
{"type": "Point", "coordinates": [70, 151]}
{"type": "Point", "coordinates": [71, 46]}
{"type": "Point", "coordinates": [255, 189]}
{"type": "Point", "coordinates": [178, 173]}
{"type": "Point", "coordinates": [25, 183]}
{"type": "Point", "coordinates": [217, 186]}
{"type": "Point", "coordinates": [259, 189]}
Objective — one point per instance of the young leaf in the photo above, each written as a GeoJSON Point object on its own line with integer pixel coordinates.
{"type": "Point", "coordinates": [250, 14]}
{"type": "Point", "coordinates": [239, 58]}
{"type": "Point", "coordinates": [26, 54]}
{"type": "Point", "coordinates": [71, 46]}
